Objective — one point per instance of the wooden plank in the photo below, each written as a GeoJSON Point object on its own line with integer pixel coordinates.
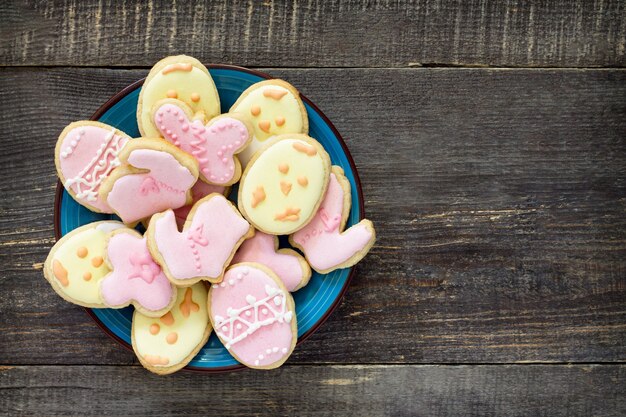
{"type": "Point", "coordinates": [555, 33]}
{"type": "Point", "coordinates": [560, 390]}
{"type": "Point", "coordinates": [498, 196]}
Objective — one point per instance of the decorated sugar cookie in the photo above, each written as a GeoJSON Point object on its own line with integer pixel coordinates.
{"type": "Point", "coordinates": [275, 108]}
{"type": "Point", "coordinates": [134, 277]}
{"type": "Point", "coordinates": [153, 176]}
{"type": "Point", "coordinates": [199, 190]}
{"type": "Point", "coordinates": [325, 246]}
{"type": "Point", "coordinates": [284, 183]}
{"type": "Point", "coordinates": [214, 144]}
{"type": "Point", "coordinates": [85, 154]}
{"type": "Point", "coordinates": [180, 77]}
{"type": "Point", "coordinates": [212, 233]}
{"type": "Point", "coordinates": [292, 269]}
{"type": "Point", "coordinates": [253, 315]}
{"type": "Point", "coordinates": [168, 343]}
{"type": "Point", "coordinates": [75, 264]}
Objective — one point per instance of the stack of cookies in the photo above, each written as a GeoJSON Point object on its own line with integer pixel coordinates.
{"type": "Point", "coordinates": [203, 263]}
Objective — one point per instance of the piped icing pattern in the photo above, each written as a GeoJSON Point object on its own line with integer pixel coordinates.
{"type": "Point", "coordinates": [170, 341]}
{"type": "Point", "coordinates": [253, 315]}
{"type": "Point", "coordinates": [135, 277]}
{"type": "Point", "coordinates": [211, 235]}
{"type": "Point", "coordinates": [283, 185]}
{"type": "Point", "coordinates": [87, 152]}
{"type": "Point", "coordinates": [274, 108]}
{"type": "Point", "coordinates": [183, 78]}
{"type": "Point", "coordinates": [214, 145]}
{"type": "Point", "coordinates": [287, 264]}
{"type": "Point", "coordinates": [164, 183]}
{"type": "Point", "coordinates": [325, 246]}
{"type": "Point", "coordinates": [199, 190]}
{"type": "Point", "coordinates": [74, 266]}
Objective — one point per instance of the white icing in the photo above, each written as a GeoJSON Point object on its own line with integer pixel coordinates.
{"type": "Point", "coordinates": [109, 227]}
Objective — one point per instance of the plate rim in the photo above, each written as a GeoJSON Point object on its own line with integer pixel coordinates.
{"type": "Point", "coordinates": [357, 180]}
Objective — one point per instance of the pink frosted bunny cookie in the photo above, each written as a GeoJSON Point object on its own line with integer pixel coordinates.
{"type": "Point", "coordinates": [153, 176]}
{"type": "Point", "coordinates": [211, 235]}
{"type": "Point", "coordinates": [292, 269]}
{"type": "Point", "coordinates": [214, 144]}
{"type": "Point", "coordinates": [199, 190]}
{"type": "Point", "coordinates": [253, 315]}
{"type": "Point", "coordinates": [325, 246]}
{"type": "Point", "coordinates": [85, 154]}
{"type": "Point", "coordinates": [135, 278]}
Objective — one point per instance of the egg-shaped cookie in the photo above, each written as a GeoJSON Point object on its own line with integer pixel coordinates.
{"type": "Point", "coordinates": [284, 183]}
{"type": "Point", "coordinates": [274, 107]}
{"type": "Point", "coordinates": [253, 315]}
{"type": "Point", "coordinates": [75, 265]}
{"type": "Point", "coordinates": [167, 344]}
{"type": "Point", "coordinates": [181, 77]}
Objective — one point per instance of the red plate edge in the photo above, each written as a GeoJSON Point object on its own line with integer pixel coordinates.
{"type": "Point", "coordinates": [121, 94]}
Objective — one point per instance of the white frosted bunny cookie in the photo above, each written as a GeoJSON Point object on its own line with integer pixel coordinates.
{"type": "Point", "coordinates": [275, 108]}
{"type": "Point", "coordinates": [85, 154]}
{"type": "Point", "coordinates": [323, 241]}
{"type": "Point", "coordinates": [284, 183]}
{"type": "Point", "coordinates": [167, 344]}
{"type": "Point", "coordinates": [181, 77]}
{"type": "Point", "coordinates": [253, 314]}
{"type": "Point", "coordinates": [154, 175]}
{"type": "Point", "coordinates": [75, 265]}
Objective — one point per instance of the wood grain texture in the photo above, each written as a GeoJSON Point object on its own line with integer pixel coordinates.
{"type": "Point", "coordinates": [318, 391]}
{"type": "Point", "coordinates": [498, 197]}
{"type": "Point", "coordinates": [554, 33]}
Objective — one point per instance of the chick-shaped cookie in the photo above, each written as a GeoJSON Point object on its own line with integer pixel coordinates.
{"type": "Point", "coordinates": [275, 108]}
{"type": "Point", "coordinates": [181, 77]}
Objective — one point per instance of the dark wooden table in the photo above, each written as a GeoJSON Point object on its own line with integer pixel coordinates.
{"type": "Point", "coordinates": [491, 141]}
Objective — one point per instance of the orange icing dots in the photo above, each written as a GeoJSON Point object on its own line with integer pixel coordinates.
{"type": "Point", "coordinates": [97, 261]}
{"type": "Point", "coordinates": [156, 360]}
{"type": "Point", "coordinates": [187, 306]}
{"type": "Point", "coordinates": [264, 125]}
{"type": "Point", "coordinates": [304, 148]}
{"type": "Point", "coordinates": [280, 120]}
{"type": "Point", "coordinates": [291, 214]}
{"type": "Point", "coordinates": [171, 338]}
{"type": "Point", "coordinates": [303, 181]}
{"type": "Point", "coordinates": [82, 252]}
{"type": "Point", "coordinates": [172, 94]}
{"type": "Point", "coordinates": [258, 196]}
{"type": "Point", "coordinates": [255, 110]}
{"type": "Point", "coordinates": [195, 97]}
{"type": "Point", "coordinates": [274, 93]}
{"type": "Point", "coordinates": [284, 168]}
{"type": "Point", "coordinates": [155, 328]}
{"type": "Point", "coordinates": [285, 187]}
{"type": "Point", "coordinates": [87, 276]}
{"type": "Point", "coordinates": [60, 273]}
{"type": "Point", "coordinates": [176, 67]}
{"type": "Point", "coordinates": [167, 318]}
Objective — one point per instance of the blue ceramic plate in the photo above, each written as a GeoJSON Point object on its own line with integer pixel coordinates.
{"type": "Point", "coordinates": [314, 303]}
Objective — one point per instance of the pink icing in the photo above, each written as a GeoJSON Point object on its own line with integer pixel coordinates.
{"type": "Point", "coordinates": [135, 275]}
{"type": "Point", "coordinates": [137, 196]}
{"type": "Point", "coordinates": [261, 249]}
{"type": "Point", "coordinates": [213, 145]}
{"type": "Point", "coordinates": [87, 155]}
{"type": "Point", "coordinates": [199, 190]}
{"type": "Point", "coordinates": [251, 316]}
{"type": "Point", "coordinates": [322, 243]}
{"type": "Point", "coordinates": [203, 248]}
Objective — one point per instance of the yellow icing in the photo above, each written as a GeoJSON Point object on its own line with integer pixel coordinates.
{"type": "Point", "coordinates": [185, 83]}
{"type": "Point", "coordinates": [264, 173]}
{"type": "Point", "coordinates": [94, 239]}
{"type": "Point", "coordinates": [189, 330]}
{"type": "Point", "coordinates": [288, 108]}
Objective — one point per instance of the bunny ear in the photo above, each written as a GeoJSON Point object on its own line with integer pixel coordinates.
{"type": "Point", "coordinates": [86, 153]}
